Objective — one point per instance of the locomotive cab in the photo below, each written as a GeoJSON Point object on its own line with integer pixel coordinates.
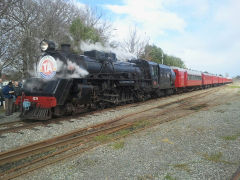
{"type": "Point", "coordinates": [154, 71]}
{"type": "Point", "coordinates": [162, 76]}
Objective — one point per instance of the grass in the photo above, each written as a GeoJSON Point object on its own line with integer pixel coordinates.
{"type": "Point", "coordinates": [140, 124]}
{"type": "Point", "coordinates": [220, 111]}
{"type": "Point", "coordinates": [234, 86]}
{"type": "Point", "coordinates": [231, 138]}
{"type": "Point", "coordinates": [198, 107]}
{"type": "Point", "coordinates": [118, 145]}
{"type": "Point", "coordinates": [106, 137]}
{"type": "Point", "coordinates": [145, 177]}
{"type": "Point", "coordinates": [169, 177]}
{"type": "Point", "coordinates": [123, 132]}
{"type": "Point", "coordinates": [184, 167]}
{"type": "Point", "coordinates": [102, 138]}
{"type": "Point", "coordinates": [216, 157]}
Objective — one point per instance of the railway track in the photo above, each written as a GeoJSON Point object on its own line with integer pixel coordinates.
{"type": "Point", "coordinates": [236, 175]}
{"type": "Point", "coordinates": [28, 158]}
{"type": "Point", "coordinates": [16, 126]}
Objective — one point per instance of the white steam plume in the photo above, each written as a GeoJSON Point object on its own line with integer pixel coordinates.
{"type": "Point", "coordinates": [121, 54]}
{"type": "Point", "coordinates": [78, 72]}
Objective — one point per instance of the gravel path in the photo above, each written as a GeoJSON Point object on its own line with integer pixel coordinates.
{"type": "Point", "coordinates": [38, 133]}
{"type": "Point", "coordinates": [205, 145]}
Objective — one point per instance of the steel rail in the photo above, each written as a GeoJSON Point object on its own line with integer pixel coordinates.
{"type": "Point", "coordinates": [28, 125]}
{"type": "Point", "coordinates": [86, 140]}
{"type": "Point", "coordinates": [28, 152]}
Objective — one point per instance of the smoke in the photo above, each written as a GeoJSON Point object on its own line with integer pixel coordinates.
{"type": "Point", "coordinates": [78, 72]}
{"type": "Point", "coordinates": [121, 54]}
{"type": "Point", "coordinates": [60, 65]}
{"type": "Point", "coordinates": [33, 73]}
{"type": "Point", "coordinates": [73, 70]}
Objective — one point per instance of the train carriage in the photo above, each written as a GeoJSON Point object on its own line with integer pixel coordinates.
{"type": "Point", "coordinates": [229, 80]}
{"type": "Point", "coordinates": [162, 77]}
{"type": "Point", "coordinates": [224, 80]}
{"type": "Point", "coordinates": [194, 78]}
{"type": "Point", "coordinates": [215, 80]}
{"type": "Point", "coordinates": [220, 80]}
{"type": "Point", "coordinates": [207, 80]}
{"type": "Point", "coordinates": [181, 75]}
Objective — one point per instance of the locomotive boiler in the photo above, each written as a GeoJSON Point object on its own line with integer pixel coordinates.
{"type": "Point", "coordinates": [68, 82]}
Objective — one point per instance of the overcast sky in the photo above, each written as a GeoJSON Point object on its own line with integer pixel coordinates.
{"type": "Point", "coordinates": [205, 34]}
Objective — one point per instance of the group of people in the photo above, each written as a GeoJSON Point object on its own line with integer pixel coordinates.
{"type": "Point", "coordinates": [10, 92]}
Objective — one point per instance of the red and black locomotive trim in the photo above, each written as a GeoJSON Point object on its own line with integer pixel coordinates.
{"type": "Point", "coordinates": [38, 107]}
{"type": "Point", "coordinates": [39, 101]}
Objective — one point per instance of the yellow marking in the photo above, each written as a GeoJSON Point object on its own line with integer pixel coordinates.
{"type": "Point", "coordinates": [166, 140]}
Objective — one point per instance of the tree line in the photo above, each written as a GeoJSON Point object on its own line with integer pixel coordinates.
{"type": "Point", "coordinates": [24, 23]}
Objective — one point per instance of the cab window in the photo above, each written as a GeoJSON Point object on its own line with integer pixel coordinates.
{"type": "Point", "coordinates": [154, 71]}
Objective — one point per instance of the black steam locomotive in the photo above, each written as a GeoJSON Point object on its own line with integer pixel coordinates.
{"type": "Point", "coordinates": [68, 83]}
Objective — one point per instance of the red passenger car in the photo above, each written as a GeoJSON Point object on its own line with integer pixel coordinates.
{"type": "Point", "coordinates": [207, 80]}
{"type": "Point", "coordinates": [194, 78]}
{"type": "Point", "coordinates": [224, 80]}
{"type": "Point", "coordinates": [220, 79]}
{"type": "Point", "coordinates": [181, 76]}
{"type": "Point", "coordinates": [229, 80]}
{"type": "Point", "coordinates": [215, 80]}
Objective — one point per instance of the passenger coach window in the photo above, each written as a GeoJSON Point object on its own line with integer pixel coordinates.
{"type": "Point", "coordinates": [194, 77]}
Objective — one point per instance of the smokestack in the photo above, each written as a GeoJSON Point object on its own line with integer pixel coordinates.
{"type": "Point", "coordinates": [65, 47]}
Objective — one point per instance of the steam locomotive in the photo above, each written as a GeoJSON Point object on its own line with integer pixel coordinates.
{"type": "Point", "coordinates": [67, 82]}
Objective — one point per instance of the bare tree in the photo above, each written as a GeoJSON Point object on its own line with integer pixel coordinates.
{"type": "Point", "coordinates": [26, 14]}
{"type": "Point", "coordinates": [7, 51]}
{"type": "Point", "coordinates": [135, 44]}
{"type": "Point", "coordinates": [55, 19]}
{"type": "Point", "coordinates": [24, 23]}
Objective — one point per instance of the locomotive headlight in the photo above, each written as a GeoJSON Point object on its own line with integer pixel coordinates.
{"type": "Point", "coordinates": [47, 45]}
{"type": "Point", "coordinates": [44, 45]}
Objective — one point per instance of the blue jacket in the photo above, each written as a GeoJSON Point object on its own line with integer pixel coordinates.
{"type": "Point", "coordinates": [6, 93]}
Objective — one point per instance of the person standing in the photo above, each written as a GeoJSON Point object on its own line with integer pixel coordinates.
{"type": "Point", "coordinates": [8, 94]}
{"type": "Point", "coordinates": [17, 89]}
{"type": "Point", "coordinates": [17, 92]}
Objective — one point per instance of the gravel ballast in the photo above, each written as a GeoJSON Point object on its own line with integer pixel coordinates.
{"type": "Point", "coordinates": [205, 145]}
{"type": "Point", "coordinates": [27, 136]}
